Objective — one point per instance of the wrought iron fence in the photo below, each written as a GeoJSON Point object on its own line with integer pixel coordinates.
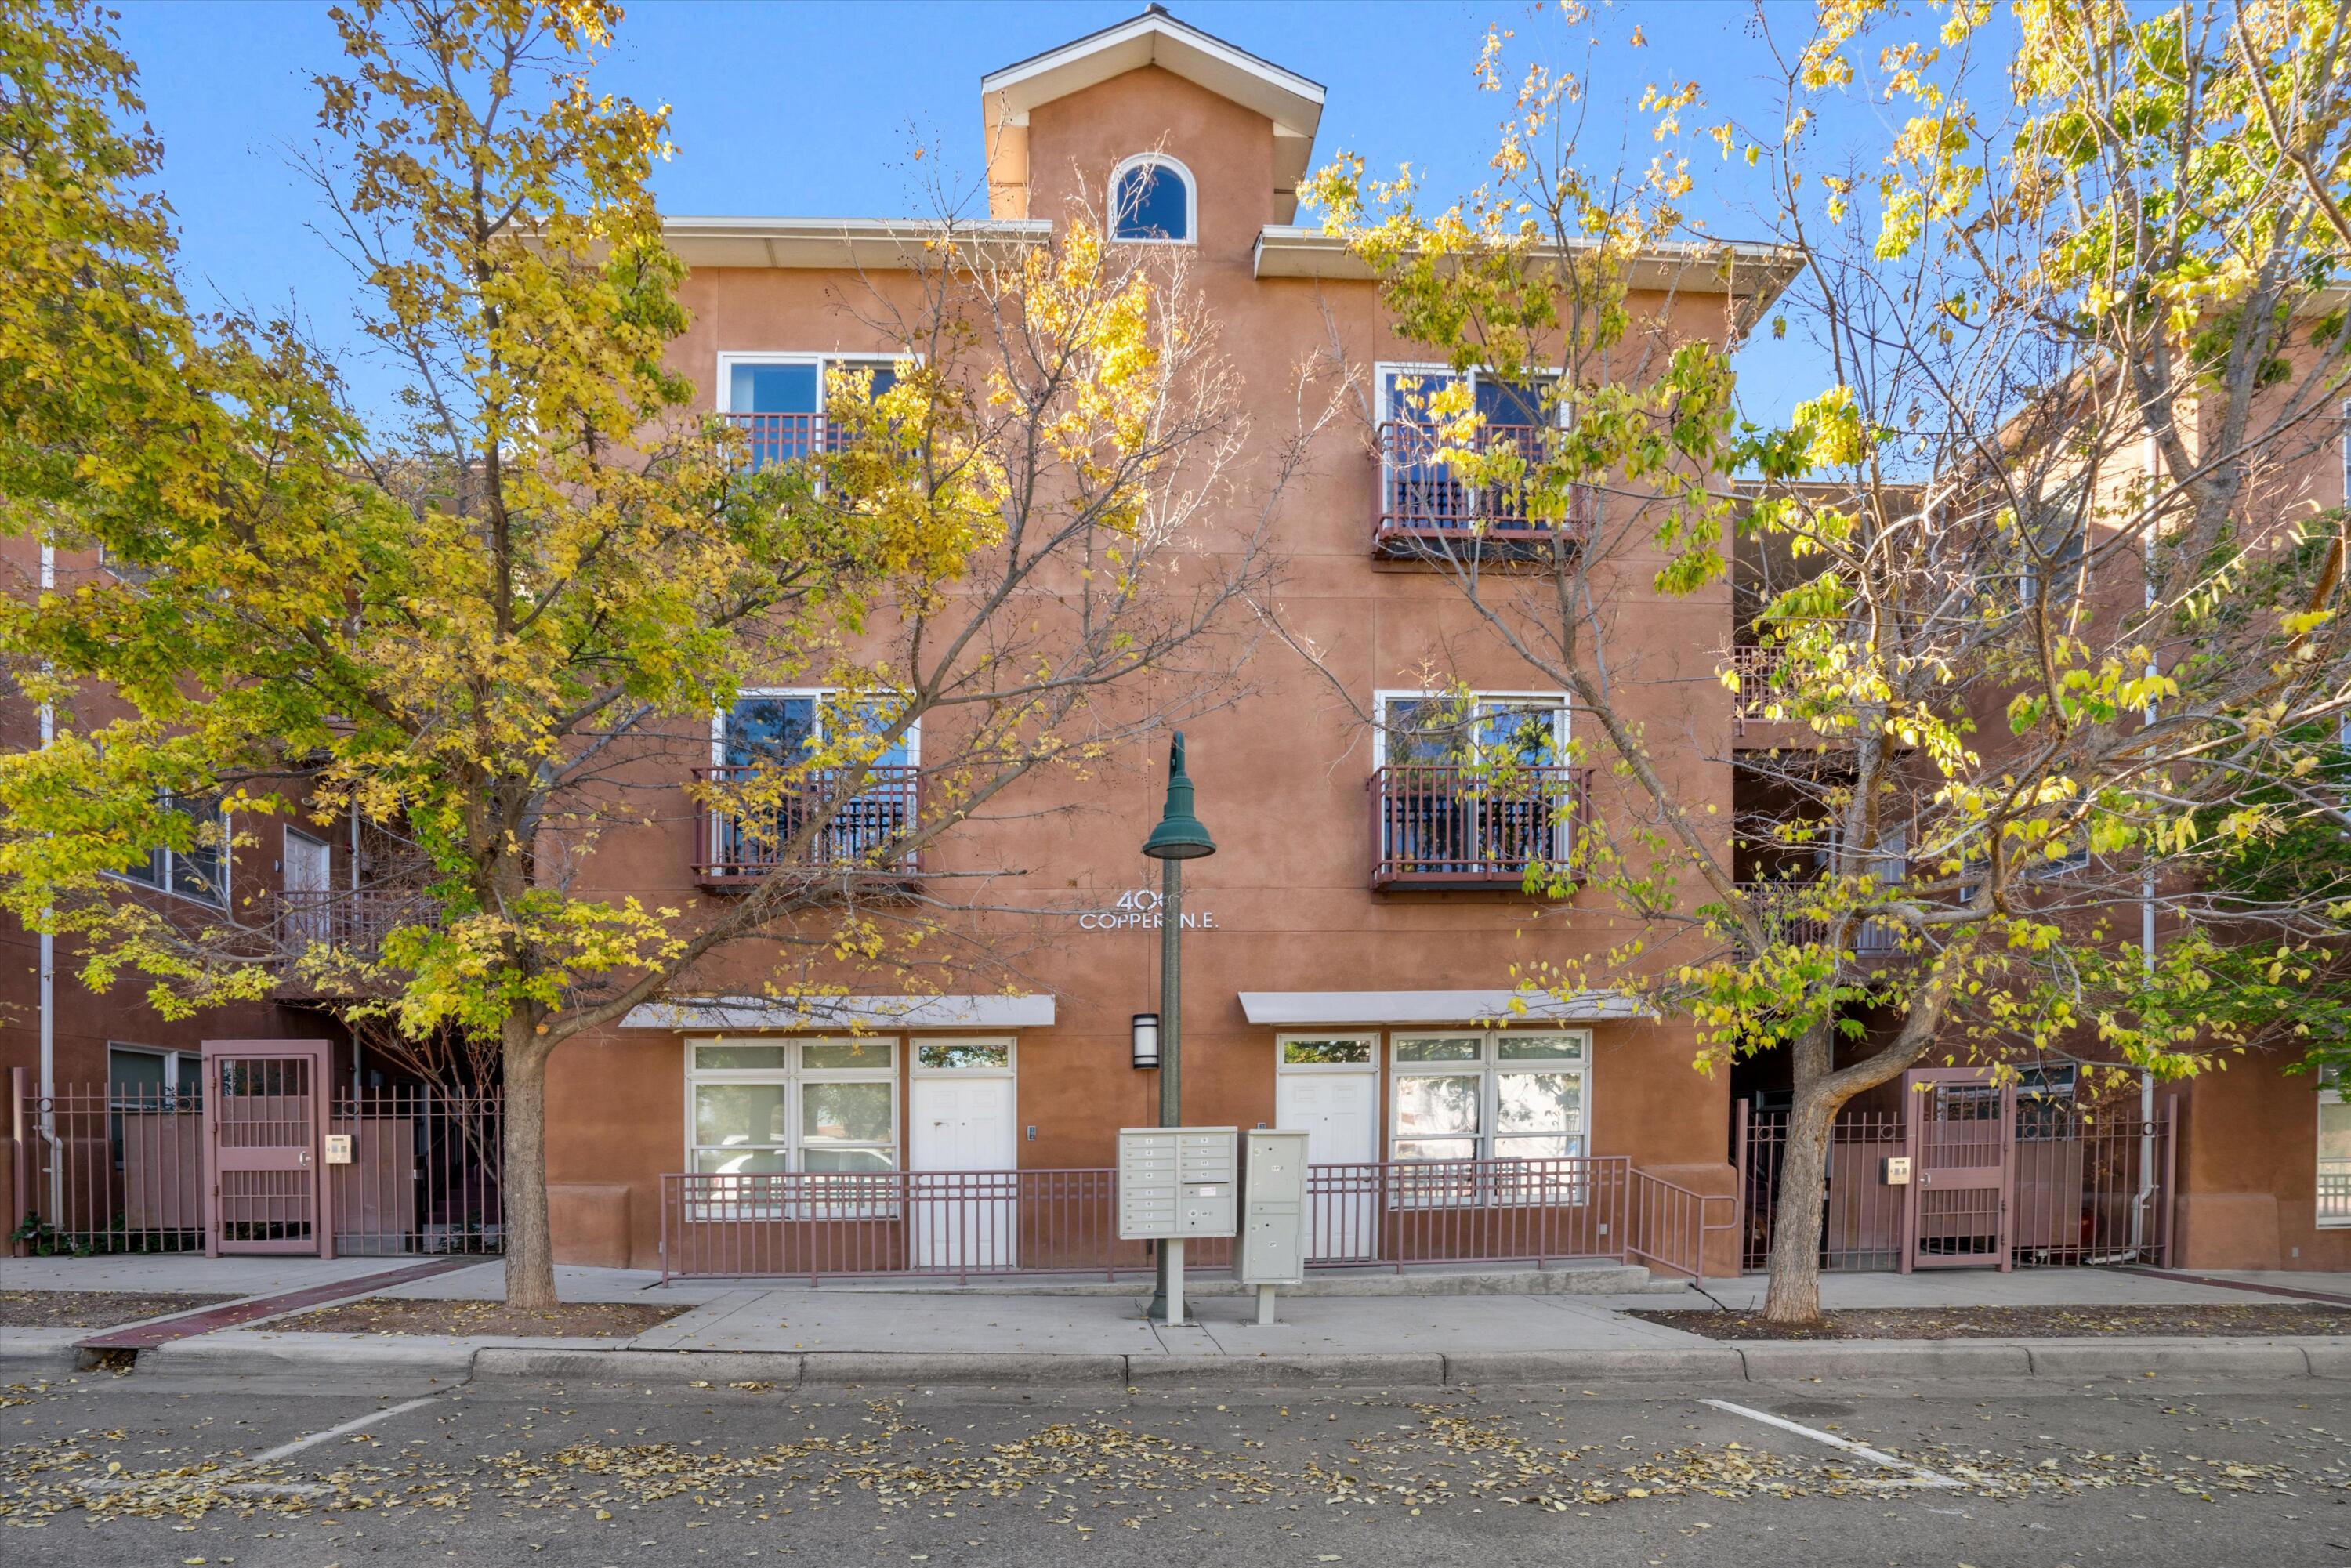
{"type": "Point", "coordinates": [121, 1169]}
{"type": "Point", "coordinates": [736, 844]}
{"type": "Point", "coordinates": [1436, 825]}
{"type": "Point", "coordinates": [962, 1224]}
{"type": "Point", "coordinates": [1426, 508]}
{"type": "Point", "coordinates": [2080, 1191]}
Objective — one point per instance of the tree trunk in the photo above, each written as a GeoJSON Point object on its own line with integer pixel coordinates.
{"type": "Point", "coordinates": [1793, 1292]}
{"type": "Point", "coordinates": [530, 1252]}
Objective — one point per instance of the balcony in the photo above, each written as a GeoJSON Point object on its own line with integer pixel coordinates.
{"type": "Point", "coordinates": [1438, 827]}
{"type": "Point", "coordinates": [1425, 513]}
{"type": "Point", "coordinates": [781, 437]}
{"type": "Point", "coordinates": [739, 846]}
{"type": "Point", "coordinates": [1778, 899]}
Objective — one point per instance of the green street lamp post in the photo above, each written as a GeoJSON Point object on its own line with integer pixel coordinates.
{"type": "Point", "coordinates": [1179, 836]}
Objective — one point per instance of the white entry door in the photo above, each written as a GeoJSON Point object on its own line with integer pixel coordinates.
{"type": "Point", "coordinates": [1328, 1087]}
{"type": "Point", "coordinates": [310, 874]}
{"type": "Point", "coordinates": [964, 1149]}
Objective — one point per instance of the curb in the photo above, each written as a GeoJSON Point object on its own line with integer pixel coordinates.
{"type": "Point", "coordinates": [2076, 1360]}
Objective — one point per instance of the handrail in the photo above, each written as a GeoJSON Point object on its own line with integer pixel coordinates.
{"type": "Point", "coordinates": [872, 810]}
{"type": "Point", "coordinates": [1672, 1219]}
{"type": "Point", "coordinates": [1438, 823]}
{"type": "Point", "coordinates": [1420, 495]}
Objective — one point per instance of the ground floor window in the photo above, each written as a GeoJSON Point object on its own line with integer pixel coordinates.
{"type": "Point", "coordinates": [765, 1106]}
{"type": "Point", "coordinates": [1491, 1095]}
{"type": "Point", "coordinates": [2333, 1153]}
{"type": "Point", "coordinates": [139, 1077]}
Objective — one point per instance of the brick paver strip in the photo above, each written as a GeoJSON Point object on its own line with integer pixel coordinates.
{"type": "Point", "coordinates": [145, 1336]}
{"type": "Point", "coordinates": [2287, 1290]}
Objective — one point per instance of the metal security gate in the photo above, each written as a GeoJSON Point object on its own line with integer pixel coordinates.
{"type": "Point", "coordinates": [1962, 1148]}
{"type": "Point", "coordinates": [2083, 1186]}
{"type": "Point", "coordinates": [264, 1137]}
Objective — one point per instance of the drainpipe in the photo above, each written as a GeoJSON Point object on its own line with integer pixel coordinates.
{"type": "Point", "coordinates": [48, 968]}
{"type": "Point", "coordinates": [2147, 910]}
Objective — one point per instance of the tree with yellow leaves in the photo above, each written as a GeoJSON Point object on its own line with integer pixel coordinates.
{"type": "Point", "coordinates": [482, 620]}
{"type": "Point", "coordinates": [2033, 589]}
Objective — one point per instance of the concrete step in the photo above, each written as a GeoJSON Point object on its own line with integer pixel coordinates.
{"type": "Point", "coordinates": [1594, 1277]}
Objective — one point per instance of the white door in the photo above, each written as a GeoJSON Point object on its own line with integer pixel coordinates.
{"type": "Point", "coordinates": [310, 873]}
{"type": "Point", "coordinates": [964, 1149]}
{"type": "Point", "coordinates": [1329, 1089]}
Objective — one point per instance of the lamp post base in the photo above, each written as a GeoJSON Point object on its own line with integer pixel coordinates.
{"type": "Point", "coordinates": [1167, 1299]}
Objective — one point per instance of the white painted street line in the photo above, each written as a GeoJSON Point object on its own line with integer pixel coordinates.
{"type": "Point", "coordinates": [296, 1488]}
{"type": "Point", "coordinates": [331, 1433]}
{"type": "Point", "coordinates": [1919, 1474]}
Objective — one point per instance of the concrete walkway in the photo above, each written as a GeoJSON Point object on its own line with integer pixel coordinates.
{"type": "Point", "coordinates": [797, 1331]}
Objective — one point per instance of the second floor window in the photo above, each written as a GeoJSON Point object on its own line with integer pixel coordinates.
{"type": "Point", "coordinates": [1480, 732]}
{"type": "Point", "coordinates": [1151, 199]}
{"type": "Point", "coordinates": [198, 872]}
{"type": "Point", "coordinates": [780, 727]}
{"type": "Point", "coordinates": [779, 399]}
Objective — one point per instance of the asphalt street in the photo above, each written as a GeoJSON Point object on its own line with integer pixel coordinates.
{"type": "Point", "coordinates": [143, 1469]}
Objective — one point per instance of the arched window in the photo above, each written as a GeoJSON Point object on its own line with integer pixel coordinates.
{"type": "Point", "coordinates": [1151, 199]}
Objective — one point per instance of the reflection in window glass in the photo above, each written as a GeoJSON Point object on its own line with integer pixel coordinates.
{"type": "Point", "coordinates": [739, 1057]}
{"type": "Point", "coordinates": [1458, 1047]}
{"type": "Point", "coordinates": [787, 1105]}
{"type": "Point", "coordinates": [1150, 201]}
{"type": "Point", "coordinates": [2333, 1156]}
{"type": "Point", "coordinates": [950, 1054]}
{"type": "Point", "coordinates": [1498, 1106]}
{"type": "Point", "coordinates": [1325, 1052]}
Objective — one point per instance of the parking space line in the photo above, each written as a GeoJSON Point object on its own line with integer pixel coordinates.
{"type": "Point", "coordinates": [1923, 1475]}
{"type": "Point", "coordinates": [297, 1489]}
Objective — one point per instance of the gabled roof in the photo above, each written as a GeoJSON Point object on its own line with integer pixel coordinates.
{"type": "Point", "coordinates": [1291, 101]}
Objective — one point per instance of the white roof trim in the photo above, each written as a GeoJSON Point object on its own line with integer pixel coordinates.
{"type": "Point", "coordinates": [1291, 1009]}
{"type": "Point", "coordinates": [872, 244]}
{"type": "Point", "coordinates": [844, 1012]}
{"type": "Point", "coordinates": [1292, 102]}
{"type": "Point", "coordinates": [1303, 250]}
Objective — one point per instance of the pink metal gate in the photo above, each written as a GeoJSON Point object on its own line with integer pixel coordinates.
{"type": "Point", "coordinates": [2084, 1187]}
{"type": "Point", "coordinates": [265, 1135]}
{"type": "Point", "coordinates": [1962, 1148]}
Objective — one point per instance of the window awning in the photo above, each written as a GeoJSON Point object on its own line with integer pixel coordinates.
{"type": "Point", "coordinates": [1310, 1009]}
{"type": "Point", "coordinates": [844, 1012]}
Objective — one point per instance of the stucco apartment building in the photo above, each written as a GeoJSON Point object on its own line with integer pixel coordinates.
{"type": "Point", "coordinates": [1341, 968]}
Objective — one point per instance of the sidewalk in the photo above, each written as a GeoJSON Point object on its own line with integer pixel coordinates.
{"type": "Point", "coordinates": [737, 1332]}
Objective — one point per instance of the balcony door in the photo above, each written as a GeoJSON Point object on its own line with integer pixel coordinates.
{"type": "Point", "coordinates": [1473, 784]}
{"type": "Point", "coordinates": [779, 399]}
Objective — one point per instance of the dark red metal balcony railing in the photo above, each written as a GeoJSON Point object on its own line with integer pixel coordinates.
{"type": "Point", "coordinates": [736, 844]}
{"type": "Point", "coordinates": [781, 437]}
{"type": "Point", "coordinates": [1443, 826]}
{"type": "Point", "coordinates": [1426, 509]}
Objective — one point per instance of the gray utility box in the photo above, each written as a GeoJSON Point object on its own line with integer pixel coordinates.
{"type": "Point", "coordinates": [1174, 1182]}
{"type": "Point", "coordinates": [1271, 1245]}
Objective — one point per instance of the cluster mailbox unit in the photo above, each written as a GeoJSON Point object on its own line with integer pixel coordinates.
{"type": "Point", "coordinates": [1270, 1249]}
{"type": "Point", "coordinates": [1175, 1182]}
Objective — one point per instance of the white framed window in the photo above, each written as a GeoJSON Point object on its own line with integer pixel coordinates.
{"type": "Point", "coordinates": [2334, 1193]}
{"type": "Point", "coordinates": [1490, 729]}
{"type": "Point", "coordinates": [992, 1058]}
{"type": "Point", "coordinates": [1471, 1094]}
{"type": "Point", "coordinates": [199, 872]}
{"type": "Point", "coordinates": [1153, 200]}
{"type": "Point", "coordinates": [1529, 401]}
{"type": "Point", "coordinates": [779, 399]}
{"type": "Point", "coordinates": [1329, 1052]}
{"type": "Point", "coordinates": [771, 1106]}
{"type": "Point", "coordinates": [777, 725]}
{"type": "Point", "coordinates": [147, 1078]}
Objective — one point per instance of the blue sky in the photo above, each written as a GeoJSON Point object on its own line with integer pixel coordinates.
{"type": "Point", "coordinates": [812, 107]}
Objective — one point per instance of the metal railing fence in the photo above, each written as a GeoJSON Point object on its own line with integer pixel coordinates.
{"type": "Point", "coordinates": [121, 1169]}
{"type": "Point", "coordinates": [1394, 1214]}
